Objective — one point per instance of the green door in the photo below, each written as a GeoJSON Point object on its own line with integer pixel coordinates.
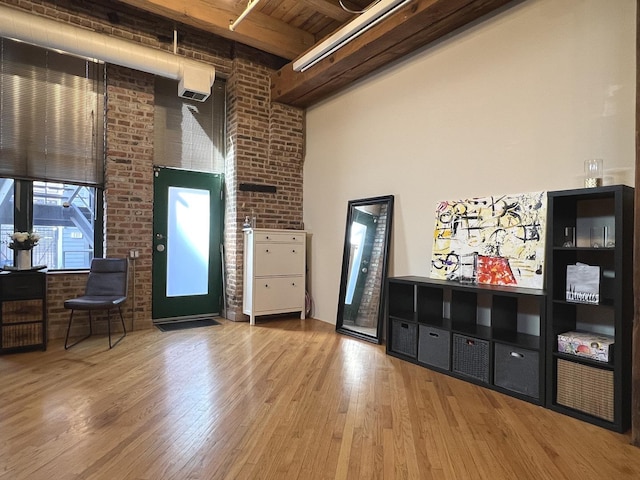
{"type": "Point", "coordinates": [187, 238]}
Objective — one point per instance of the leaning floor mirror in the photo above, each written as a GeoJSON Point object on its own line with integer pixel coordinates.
{"type": "Point", "coordinates": [364, 268]}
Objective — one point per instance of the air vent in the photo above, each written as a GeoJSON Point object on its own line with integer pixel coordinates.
{"type": "Point", "coordinates": [194, 84]}
{"type": "Point", "coordinates": [200, 97]}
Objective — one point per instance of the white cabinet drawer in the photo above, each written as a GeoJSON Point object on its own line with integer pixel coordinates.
{"type": "Point", "coordinates": [278, 293]}
{"type": "Point", "coordinates": [279, 237]}
{"type": "Point", "coordinates": [274, 272]}
{"type": "Point", "coordinates": [278, 259]}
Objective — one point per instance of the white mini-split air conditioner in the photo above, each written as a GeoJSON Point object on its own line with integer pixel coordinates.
{"type": "Point", "coordinates": [194, 84]}
{"type": "Point", "coordinates": [351, 30]}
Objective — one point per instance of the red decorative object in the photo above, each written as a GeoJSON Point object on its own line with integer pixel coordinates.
{"type": "Point", "coordinates": [495, 271]}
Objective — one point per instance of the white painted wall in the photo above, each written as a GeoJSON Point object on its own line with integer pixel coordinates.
{"type": "Point", "coordinates": [513, 104]}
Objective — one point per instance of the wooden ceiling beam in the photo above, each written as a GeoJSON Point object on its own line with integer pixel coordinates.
{"type": "Point", "coordinates": [329, 9]}
{"type": "Point", "coordinates": [257, 30]}
{"type": "Point", "coordinates": [411, 27]}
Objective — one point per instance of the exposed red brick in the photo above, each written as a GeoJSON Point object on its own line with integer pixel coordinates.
{"type": "Point", "coordinates": [265, 145]}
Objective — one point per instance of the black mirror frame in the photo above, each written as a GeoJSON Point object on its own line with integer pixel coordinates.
{"type": "Point", "coordinates": [340, 328]}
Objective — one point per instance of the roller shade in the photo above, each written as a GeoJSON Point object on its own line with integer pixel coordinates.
{"type": "Point", "coordinates": [51, 115]}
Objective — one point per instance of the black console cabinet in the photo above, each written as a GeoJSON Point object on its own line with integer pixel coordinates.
{"type": "Point", "coordinates": [489, 335]}
{"type": "Point", "coordinates": [23, 312]}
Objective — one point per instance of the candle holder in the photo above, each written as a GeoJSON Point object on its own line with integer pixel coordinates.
{"type": "Point", "coordinates": [593, 172]}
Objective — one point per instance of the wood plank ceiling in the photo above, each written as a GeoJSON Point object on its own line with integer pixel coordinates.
{"type": "Point", "coordinates": [288, 28]}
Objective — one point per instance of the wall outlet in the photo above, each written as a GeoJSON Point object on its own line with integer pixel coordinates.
{"type": "Point", "coordinates": [134, 253]}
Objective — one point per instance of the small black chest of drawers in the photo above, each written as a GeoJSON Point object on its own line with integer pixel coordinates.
{"type": "Point", "coordinates": [23, 311]}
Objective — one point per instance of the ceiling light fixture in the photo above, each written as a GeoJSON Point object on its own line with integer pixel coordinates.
{"type": "Point", "coordinates": [351, 30]}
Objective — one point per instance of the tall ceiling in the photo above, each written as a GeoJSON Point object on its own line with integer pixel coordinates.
{"type": "Point", "coordinates": [282, 27]}
{"type": "Point", "coordinates": [288, 28]}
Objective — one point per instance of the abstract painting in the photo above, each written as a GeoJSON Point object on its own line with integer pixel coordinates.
{"type": "Point", "coordinates": [497, 240]}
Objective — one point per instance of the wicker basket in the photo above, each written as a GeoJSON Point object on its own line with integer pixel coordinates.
{"type": "Point", "coordinates": [22, 311]}
{"type": "Point", "coordinates": [21, 335]}
{"type": "Point", "coordinates": [471, 357]}
{"type": "Point", "coordinates": [585, 388]}
{"type": "Point", "coordinates": [404, 338]}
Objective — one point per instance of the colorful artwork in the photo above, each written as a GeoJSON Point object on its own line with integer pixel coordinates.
{"type": "Point", "coordinates": [496, 240]}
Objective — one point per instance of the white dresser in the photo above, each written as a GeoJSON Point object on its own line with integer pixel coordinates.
{"type": "Point", "coordinates": [274, 272]}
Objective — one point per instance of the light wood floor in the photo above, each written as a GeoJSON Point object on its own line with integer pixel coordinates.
{"type": "Point", "coordinates": [286, 399]}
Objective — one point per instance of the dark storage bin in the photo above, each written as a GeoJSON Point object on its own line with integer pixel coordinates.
{"type": "Point", "coordinates": [471, 357]}
{"type": "Point", "coordinates": [517, 369]}
{"type": "Point", "coordinates": [404, 338]}
{"type": "Point", "coordinates": [433, 346]}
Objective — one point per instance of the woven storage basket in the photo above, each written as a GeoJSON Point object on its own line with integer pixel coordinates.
{"type": "Point", "coordinates": [471, 357]}
{"type": "Point", "coordinates": [404, 338]}
{"type": "Point", "coordinates": [586, 389]}
{"type": "Point", "coordinates": [21, 311]}
{"type": "Point", "coordinates": [21, 335]}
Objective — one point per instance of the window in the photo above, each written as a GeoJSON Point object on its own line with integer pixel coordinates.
{"type": "Point", "coordinates": [51, 153]}
{"type": "Point", "coordinates": [64, 215]}
{"type": "Point", "coordinates": [6, 220]}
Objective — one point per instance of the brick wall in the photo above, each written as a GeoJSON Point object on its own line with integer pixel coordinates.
{"type": "Point", "coordinates": [265, 143]}
{"type": "Point", "coordinates": [265, 147]}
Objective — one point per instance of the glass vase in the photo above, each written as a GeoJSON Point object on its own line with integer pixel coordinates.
{"type": "Point", "coordinates": [593, 173]}
{"type": "Point", "coordinates": [23, 259]}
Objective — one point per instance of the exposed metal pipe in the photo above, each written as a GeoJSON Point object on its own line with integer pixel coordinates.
{"type": "Point", "coordinates": [40, 31]}
{"type": "Point", "coordinates": [250, 5]}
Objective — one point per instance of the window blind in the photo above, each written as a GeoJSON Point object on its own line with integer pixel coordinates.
{"type": "Point", "coordinates": [51, 115]}
{"type": "Point", "coordinates": [188, 134]}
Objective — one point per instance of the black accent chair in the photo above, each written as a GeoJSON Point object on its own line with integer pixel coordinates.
{"type": "Point", "coordinates": [106, 290]}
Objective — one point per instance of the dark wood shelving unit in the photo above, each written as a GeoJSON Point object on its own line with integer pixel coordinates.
{"type": "Point", "coordinates": [513, 332]}
{"type": "Point", "coordinates": [591, 390]}
{"type": "Point", "coordinates": [23, 311]}
{"type": "Point", "coordinates": [488, 335]}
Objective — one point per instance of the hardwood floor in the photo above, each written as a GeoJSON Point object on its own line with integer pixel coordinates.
{"type": "Point", "coordinates": [286, 399]}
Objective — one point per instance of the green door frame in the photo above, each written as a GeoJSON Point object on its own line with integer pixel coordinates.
{"type": "Point", "coordinates": [167, 306]}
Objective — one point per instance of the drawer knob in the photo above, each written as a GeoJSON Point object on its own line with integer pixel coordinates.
{"type": "Point", "coordinates": [267, 237]}
{"type": "Point", "coordinates": [293, 251]}
{"type": "Point", "coordinates": [266, 285]}
{"type": "Point", "coordinates": [267, 250]}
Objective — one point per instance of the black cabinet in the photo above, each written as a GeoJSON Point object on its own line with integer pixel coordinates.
{"type": "Point", "coordinates": [23, 312]}
{"type": "Point", "coordinates": [592, 226]}
{"type": "Point", "coordinates": [485, 334]}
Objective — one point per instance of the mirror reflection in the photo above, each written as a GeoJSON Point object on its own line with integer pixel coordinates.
{"type": "Point", "coordinates": [364, 267]}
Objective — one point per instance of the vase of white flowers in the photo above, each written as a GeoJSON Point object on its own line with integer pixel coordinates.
{"type": "Point", "coordinates": [22, 243]}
